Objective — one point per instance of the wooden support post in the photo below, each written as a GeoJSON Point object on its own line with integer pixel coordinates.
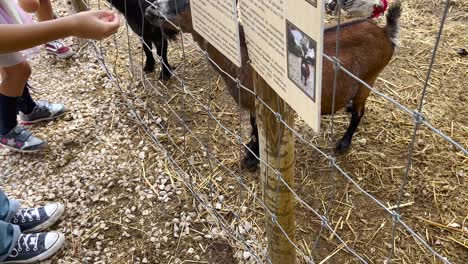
{"type": "Point", "coordinates": [277, 149]}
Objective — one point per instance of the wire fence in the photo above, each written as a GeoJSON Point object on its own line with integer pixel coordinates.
{"type": "Point", "coordinates": [187, 171]}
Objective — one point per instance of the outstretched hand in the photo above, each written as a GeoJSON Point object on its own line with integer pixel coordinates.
{"type": "Point", "coordinates": [96, 24]}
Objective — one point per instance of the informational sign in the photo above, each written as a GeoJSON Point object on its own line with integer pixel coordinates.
{"type": "Point", "coordinates": [217, 22]}
{"type": "Point", "coordinates": [285, 43]}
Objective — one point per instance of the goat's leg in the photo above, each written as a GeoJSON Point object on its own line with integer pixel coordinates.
{"type": "Point", "coordinates": [357, 111]}
{"type": "Point", "coordinates": [250, 161]}
{"type": "Point", "coordinates": [149, 64]}
{"type": "Point", "coordinates": [343, 144]}
{"type": "Point", "coordinates": [161, 46]}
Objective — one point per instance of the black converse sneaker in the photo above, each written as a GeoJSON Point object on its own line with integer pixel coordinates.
{"type": "Point", "coordinates": [37, 219]}
{"type": "Point", "coordinates": [32, 248]}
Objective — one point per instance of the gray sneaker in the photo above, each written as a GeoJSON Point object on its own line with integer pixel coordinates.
{"type": "Point", "coordinates": [42, 112]}
{"type": "Point", "coordinates": [21, 140]}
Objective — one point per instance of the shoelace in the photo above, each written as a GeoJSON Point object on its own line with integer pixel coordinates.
{"type": "Point", "coordinates": [42, 106]}
{"type": "Point", "coordinates": [27, 213]}
{"type": "Point", "coordinates": [56, 44]}
{"type": "Point", "coordinates": [27, 241]}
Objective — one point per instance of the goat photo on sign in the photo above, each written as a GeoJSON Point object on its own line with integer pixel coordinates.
{"type": "Point", "coordinates": [301, 59]}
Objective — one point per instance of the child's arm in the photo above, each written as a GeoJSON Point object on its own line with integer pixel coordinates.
{"type": "Point", "coordinates": [91, 24]}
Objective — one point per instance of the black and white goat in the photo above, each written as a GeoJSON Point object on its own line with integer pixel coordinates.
{"type": "Point", "coordinates": [307, 62]}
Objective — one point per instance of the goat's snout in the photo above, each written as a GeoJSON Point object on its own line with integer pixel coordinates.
{"type": "Point", "coordinates": [162, 10]}
{"type": "Point", "coordinates": [153, 14]}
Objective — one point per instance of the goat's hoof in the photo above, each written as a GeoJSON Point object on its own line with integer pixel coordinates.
{"type": "Point", "coordinates": [250, 163]}
{"type": "Point", "coordinates": [342, 146]}
{"type": "Point", "coordinates": [165, 76]}
{"type": "Point", "coordinates": [462, 52]}
{"type": "Point", "coordinates": [148, 69]}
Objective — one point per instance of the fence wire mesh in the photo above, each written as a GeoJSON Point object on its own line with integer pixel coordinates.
{"type": "Point", "coordinates": [176, 146]}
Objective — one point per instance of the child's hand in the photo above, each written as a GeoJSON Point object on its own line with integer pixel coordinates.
{"type": "Point", "coordinates": [95, 24]}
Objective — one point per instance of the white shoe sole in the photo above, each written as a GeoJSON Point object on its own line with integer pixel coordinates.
{"type": "Point", "coordinates": [23, 150]}
{"type": "Point", "coordinates": [52, 220]}
{"type": "Point", "coordinates": [62, 56]}
{"type": "Point", "coordinates": [27, 123]}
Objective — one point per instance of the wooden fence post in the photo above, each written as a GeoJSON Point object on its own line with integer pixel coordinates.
{"type": "Point", "coordinates": [277, 149]}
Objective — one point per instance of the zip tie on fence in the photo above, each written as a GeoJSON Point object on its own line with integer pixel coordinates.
{"type": "Point", "coordinates": [279, 118]}
{"type": "Point", "coordinates": [238, 83]}
{"type": "Point", "coordinates": [274, 218]}
{"type": "Point", "coordinates": [324, 221]}
{"type": "Point", "coordinates": [396, 216]}
{"type": "Point", "coordinates": [418, 118]}
{"type": "Point", "coordinates": [336, 63]}
{"type": "Point", "coordinates": [278, 175]}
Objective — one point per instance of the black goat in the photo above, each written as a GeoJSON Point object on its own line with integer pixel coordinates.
{"type": "Point", "coordinates": [307, 61]}
{"type": "Point", "coordinates": [305, 72]}
{"type": "Point", "coordinates": [134, 11]}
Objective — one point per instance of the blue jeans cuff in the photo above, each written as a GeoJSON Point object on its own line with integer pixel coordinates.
{"type": "Point", "coordinates": [16, 235]}
{"type": "Point", "coordinates": [14, 206]}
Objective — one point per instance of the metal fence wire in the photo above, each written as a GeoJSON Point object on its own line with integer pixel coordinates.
{"type": "Point", "coordinates": [186, 171]}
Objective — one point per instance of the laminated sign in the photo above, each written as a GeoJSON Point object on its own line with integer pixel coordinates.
{"type": "Point", "coordinates": [216, 21]}
{"type": "Point", "coordinates": [285, 43]}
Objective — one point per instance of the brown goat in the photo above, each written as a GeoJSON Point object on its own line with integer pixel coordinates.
{"type": "Point", "coordinates": [365, 50]}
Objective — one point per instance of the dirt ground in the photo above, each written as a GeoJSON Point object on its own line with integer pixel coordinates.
{"type": "Point", "coordinates": [180, 196]}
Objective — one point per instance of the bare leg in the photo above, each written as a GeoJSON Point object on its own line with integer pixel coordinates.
{"type": "Point", "coordinates": [14, 79]}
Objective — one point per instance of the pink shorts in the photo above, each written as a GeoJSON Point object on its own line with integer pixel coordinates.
{"type": "Point", "coordinates": [11, 13]}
